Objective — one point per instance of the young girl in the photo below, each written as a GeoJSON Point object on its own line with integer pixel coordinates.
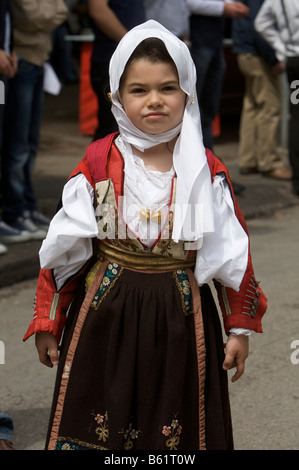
{"type": "Point", "coordinates": [148, 218]}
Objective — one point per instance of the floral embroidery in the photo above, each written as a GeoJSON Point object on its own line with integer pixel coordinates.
{"type": "Point", "coordinates": [68, 443]}
{"type": "Point", "coordinates": [111, 274]}
{"type": "Point", "coordinates": [66, 446]}
{"type": "Point", "coordinates": [102, 430]}
{"type": "Point", "coordinates": [130, 435]}
{"type": "Point", "coordinates": [182, 281]}
{"type": "Point", "coordinates": [173, 432]}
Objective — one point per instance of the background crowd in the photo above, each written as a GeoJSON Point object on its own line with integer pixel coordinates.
{"type": "Point", "coordinates": [265, 39]}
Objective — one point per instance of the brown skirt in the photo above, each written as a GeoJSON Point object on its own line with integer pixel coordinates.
{"type": "Point", "coordinates": [129, 371]}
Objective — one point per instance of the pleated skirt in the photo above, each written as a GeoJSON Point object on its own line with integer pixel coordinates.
{"type": "Point", "coordinates": [130, 376]}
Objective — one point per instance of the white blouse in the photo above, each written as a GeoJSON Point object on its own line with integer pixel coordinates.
{"type": "Point", "coordinates": [145, 192]}
{"type": "Point", "coordinates": [68, 245]}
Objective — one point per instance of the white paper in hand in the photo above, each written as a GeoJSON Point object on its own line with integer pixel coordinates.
{"type": "Point", "coordinates": [52, 84]}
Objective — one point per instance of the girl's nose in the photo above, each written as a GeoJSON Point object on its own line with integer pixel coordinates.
{"type": "Point", "coordinates": [154, 98]}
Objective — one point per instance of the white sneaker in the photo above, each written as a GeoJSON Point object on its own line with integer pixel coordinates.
{"type": "Point", "coordinates": [28, 228]}
{"type": "Point", "coordinates": [9, 234]}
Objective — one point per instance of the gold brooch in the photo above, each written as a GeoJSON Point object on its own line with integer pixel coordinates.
{"type": "Point", "coordinates": [146, 214]}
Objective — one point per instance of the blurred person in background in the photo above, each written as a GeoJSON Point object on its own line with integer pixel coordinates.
{"type": "Point", "coordinates": [207, 29]}
{"type": "Point", "coordinates": [262, 102]}
{"type": "Point", "coordinates": [110, 20]}
{"type": "Point", "coordinates": [278, 23]}
{"type": "Point", "coordinates": [33, 22]}
{"type": "Point", "coordinates": [8, 68]}
{"type": "Point", "coordinates": [61, 57]}
{"type": "Point", "coordinates": [172, 14]}
{"type": "Point", "coordinates": [207, 24]}
{"type": "Point", "coordinates": [7, 71]}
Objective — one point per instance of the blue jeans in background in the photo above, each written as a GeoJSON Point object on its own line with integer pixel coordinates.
{"type": "Point", "coordinates": [21, 139]}
{"type": "Point", "coordinates": [6, 426]}
{"type": "Point", "coordinates": [210, 68]}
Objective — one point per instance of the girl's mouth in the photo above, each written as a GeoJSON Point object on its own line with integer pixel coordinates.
{"type": "Point", "coordinates": [155, 116]}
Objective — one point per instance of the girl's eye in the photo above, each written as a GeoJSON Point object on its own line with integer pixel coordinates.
{"type": "Point", "coordinates": [137, 90]}
{"type": "Point", "coordinates": [170, 88]}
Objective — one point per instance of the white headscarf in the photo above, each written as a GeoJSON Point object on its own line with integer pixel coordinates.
{"type": "Point", "coordinates": [194, 189]}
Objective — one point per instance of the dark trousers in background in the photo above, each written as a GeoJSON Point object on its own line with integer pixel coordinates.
{"type": "Point", "coordinates": [210, 68]}
{"type": "Point", "coordinates": [21, 132]}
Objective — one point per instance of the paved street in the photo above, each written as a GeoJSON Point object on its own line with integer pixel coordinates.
{"type": "Point", "coordinates": [264, 401]}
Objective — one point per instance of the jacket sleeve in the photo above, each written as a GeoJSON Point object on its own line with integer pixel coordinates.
{"type": "Point", "coordinates": [243, 308]}
{"type": "Point", "coordinates": [51, 306]}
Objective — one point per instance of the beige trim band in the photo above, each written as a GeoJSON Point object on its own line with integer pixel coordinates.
{"type": "Point", "coordinates": [201, 358]}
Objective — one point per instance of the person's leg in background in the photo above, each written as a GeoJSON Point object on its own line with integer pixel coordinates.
{"type": "Point", "coordinates": [247, 143]}
{"type": "Point", "coordinates": [210, 67]}
{"type": "Point", "coordinates": [20, 143]}
{"type": "Point", "coordinates": [260, 119]}
{"type": "Point", "coordinates": [293, 75]}
{"type": "Point", "coordinates": [8, 234]}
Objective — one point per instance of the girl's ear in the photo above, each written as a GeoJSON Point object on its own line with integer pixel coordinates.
{"type": "Point", "coordinates": [109, 96]}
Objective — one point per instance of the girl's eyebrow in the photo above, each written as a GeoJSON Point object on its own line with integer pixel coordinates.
{"type": "Point", "coordinates": [135, 84]}
{"type": "Point", "coordinates": [169, 82]}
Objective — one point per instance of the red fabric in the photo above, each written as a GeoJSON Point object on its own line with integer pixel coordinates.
{"type": "Point", "coordinates": [242, 309]}
{"type": "Point", "coordinates": [88, 101]}
{"type": "Point", "coordinates": [110, 165]}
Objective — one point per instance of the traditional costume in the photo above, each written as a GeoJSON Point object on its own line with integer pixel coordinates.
{"type": "Point", "coordinates": [125, 271]}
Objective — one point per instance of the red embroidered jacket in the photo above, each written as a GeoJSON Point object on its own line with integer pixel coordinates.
{"type": "Point", "coordinates": [242, 309]}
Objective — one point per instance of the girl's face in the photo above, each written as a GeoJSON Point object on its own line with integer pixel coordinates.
{"type": "Point", "coordinates": [152, 97]}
